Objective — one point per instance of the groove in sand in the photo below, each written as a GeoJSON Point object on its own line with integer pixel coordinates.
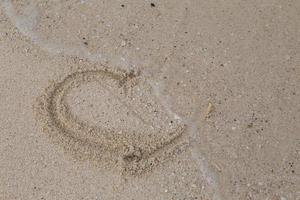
{"type": "Point", "coordinates": [134, 151]}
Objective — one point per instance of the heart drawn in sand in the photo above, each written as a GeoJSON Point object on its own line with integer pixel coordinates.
{"type": "Point", "coordinates": [136, 132]}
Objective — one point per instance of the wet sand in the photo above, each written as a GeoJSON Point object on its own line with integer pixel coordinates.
{"type": "Point", "coordinates": [150, 100]}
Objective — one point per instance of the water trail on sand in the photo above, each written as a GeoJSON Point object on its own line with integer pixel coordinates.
{"type": "Point", "coordinates": [201, 160]}
{"type": "Point", "coordinates": [197, 155]}
{"type": "Point", "coordinates": [192, 127]}
{"type": "Point", "coordinates": [27, 24]}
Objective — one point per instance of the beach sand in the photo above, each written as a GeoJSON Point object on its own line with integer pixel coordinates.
{"type": "Point", "coordinates": [173, 100]}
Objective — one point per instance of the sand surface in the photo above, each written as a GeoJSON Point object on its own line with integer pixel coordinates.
{"type": "Point", "coordinates": [134, 100]}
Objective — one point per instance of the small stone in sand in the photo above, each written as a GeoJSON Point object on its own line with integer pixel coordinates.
{"type": "Point", "coordinates": [210, 108]}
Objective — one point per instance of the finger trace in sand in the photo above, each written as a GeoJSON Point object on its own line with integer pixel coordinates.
{"type": "Point", "coordinates": [134, 150]}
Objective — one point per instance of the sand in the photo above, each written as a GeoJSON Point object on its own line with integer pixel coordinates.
{"type": "Point", "coordinates": [139, 131]}
{"type": "Point", "coordinates": [150, 100]}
